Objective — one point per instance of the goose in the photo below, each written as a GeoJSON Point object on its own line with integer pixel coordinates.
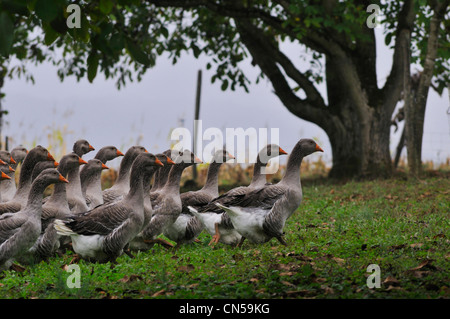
{"type": "Point", "coordinates": [122, 184]}
{"type": "Point", "coordinates": [8, 187]}
{"type": "Point", "coordinates": [91, 185]}
{"type": "Point", "coordinates": [166, 206]}
{"type": "Point", "coordinates": [108, 153]}
{"type": "Point", "coordinates": [90, 177]}
{"type": "Point", "coordinates": [5, 165]}
{"type": "Point", "coordinates": [162, 174]}
{"type": "Point", "coordinates": [19, 231]}
{"type": "Point", "coordinates": [215, 220]}
{"type": "Point", "coordinates": [261, 214]}
{"type": "Point", "coordinates": [187, 227]}
{"type": "Point", "coordinates": [56, 207]}
{"type": "Point", "coordinates": [75, 198]}
{"type": "Point", "coordinates": [18, 153]}
{"type": "Point", "coordinates": [34, 156]}
{"type": "Point", "coordinates": [39, 167]}
{"type": "Point", "coordinates": [148, 209]}
{"type": "Point", "coordinates": [82, 147]}
{"type": "Point", "coordinates": [103, 233]}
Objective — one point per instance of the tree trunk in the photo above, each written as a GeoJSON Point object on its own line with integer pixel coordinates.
{"type": "Point", "coordinates": [416, 99]}
{"type": "Point", "coordinates": [357, 156]}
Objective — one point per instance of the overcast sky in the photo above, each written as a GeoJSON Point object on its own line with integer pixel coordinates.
{"type": "Point", "coordinates": [145, 112]}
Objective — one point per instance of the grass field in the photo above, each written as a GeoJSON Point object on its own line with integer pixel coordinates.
{"type": "Point", "coordinates": [338, 231]}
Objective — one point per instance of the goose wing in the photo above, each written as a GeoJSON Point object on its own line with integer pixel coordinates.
{"type": "Point", "coordinates": [9, 225]}
{"type": "Point", "coordinates": [102, 220]}
{"type": "Point", "coordinates": [194, 199]}
{"type": "Point", "coordinates": [264, 198]}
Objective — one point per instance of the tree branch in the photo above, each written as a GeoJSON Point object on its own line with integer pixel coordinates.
{"type": "Point", "coordinates": [392, 90]}
{"type": "Point", "coordinates": [256, 44]}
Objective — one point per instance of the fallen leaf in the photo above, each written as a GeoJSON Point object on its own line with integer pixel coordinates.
{"type": "Point", "coordinates": [340, 261]}
{"type": "Point", "coordinates": [159, 293]}
{"type": "Point", "coordinates": [424, 263]}
{"type": "Point", "coordinates": [287, 283]}
{"type": "Point", "coordinates": [418, 245]}
{"type": "Point", "coordinates": [420, 273]}
{"type": "Point", "coordinates": [192, 285]}
{"type": "Point", "coordinates": [391, 281]}
{"type": "Point", "coordinates": [126, 279]}
{"type": "Point", "coordinates": [288, 273]}
{"type": "Point", "coordinates": [254, 279]}
{"type": "Point", "coordinates": [186, 268]}
{"type": "Point", "coordinates": [393, 288]}
{"type": "Point", "coordinates": [327, 290]}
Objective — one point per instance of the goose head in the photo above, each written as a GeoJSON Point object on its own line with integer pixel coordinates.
{"type": "Point", "coordinates": [82, 147]}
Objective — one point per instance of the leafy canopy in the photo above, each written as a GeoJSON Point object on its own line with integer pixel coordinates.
{"type": "Point", "coordinates": [123, 38]}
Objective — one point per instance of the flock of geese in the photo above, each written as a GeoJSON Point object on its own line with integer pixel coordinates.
{"type": "Point", "coordinates": [100, 225]}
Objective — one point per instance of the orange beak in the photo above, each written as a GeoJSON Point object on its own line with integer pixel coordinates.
{"type": "Point", "coordinates": [2, 162]}
{"type": "Point", "coordinates": [282, 152]}
{"type": "Point", "coordinates": [82, 161]}
{"type": "Point", "coordinates": [318, 149]}
{"type": "Point", "coordinates": [56, 164]}
{"type": "Point", "coordinates": [231, 156]}
{"type": "Point", "coordinates": [169, 161]}
{"type": "Point", "coordinates": [197, 160]}
{"type": "Point", "coordinates": [62, 179]}
{"type": "Point", "coordinates": [104, 166]}
{"type": "Point", "coordinates": [145, 151]}
{"type": "Point", "coordinates": [11, 169]}
{"type": "Point", "coordinates": [91, 147]}
{"type": "Point", "coordinates": [158, 162]}
{"type": "Point", "coordinates": [12, 161]}
{"type": "Point", "coordinates": [4, 176]}
{"type": "Point", "coordinates": [50, 157]}
{"type": "Point", "coordinates": [119, 153]}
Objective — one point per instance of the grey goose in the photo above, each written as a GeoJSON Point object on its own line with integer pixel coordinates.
{"type": "Point", "coordinates": [8, 187]}
{"type": "Point", "coordinates": [166, 205]}
{"type": "Point", "coordinates": [34, 156]}
{"type": "Point", "coordinates": [91, 183]}
{"type": "Point", "coordinates": [103, 233]}
{"type": "Point", "coordinates": [215, 220]}
{"type": "Point", "coordinates": [261, 214]}
{"type": "Point", "coordinates": [93, 192]}
{"type": "Point", "coordinates": [122, 184]}
{"type": "Point", "coordinates": [19, 230]}
{"type": "Point", "coordinates": [187, 227]}
{"type": "Point", "coordinates": [82, 147]}
{"type": "Point", "coordinates": [55, 207]}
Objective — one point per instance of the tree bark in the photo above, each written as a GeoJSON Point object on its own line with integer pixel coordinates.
{"type": "Point", "coordinates": [416, 100]}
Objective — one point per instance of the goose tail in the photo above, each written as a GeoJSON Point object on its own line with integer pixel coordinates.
{"type": "Point", "coordinates": [230, 212]}
{"type": "Point", "coordinates": [195, 212]}
{"type": "Point", "coordinates": [62, 229]}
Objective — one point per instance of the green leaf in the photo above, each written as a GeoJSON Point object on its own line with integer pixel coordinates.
{"type": "Point", "coordinates": [106, 6]}
{"type": "Point", "coordinates": [47, 10]}
{"type": "Point", "coordinates": [136, 53]}
{"type": "Point", "coordinates": [6, 33]}
{"type": "Point", "coordinates": [92, 62]}
{"type": "Point", "coordinates": [50, 34]}
{"type": "Point", "coordinates": [224, 85]}
{"type": "Point", "coordinates": [388, 38]}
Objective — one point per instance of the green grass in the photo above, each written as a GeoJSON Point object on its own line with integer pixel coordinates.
{"type": "Point", "coordinates": [402, 226]}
